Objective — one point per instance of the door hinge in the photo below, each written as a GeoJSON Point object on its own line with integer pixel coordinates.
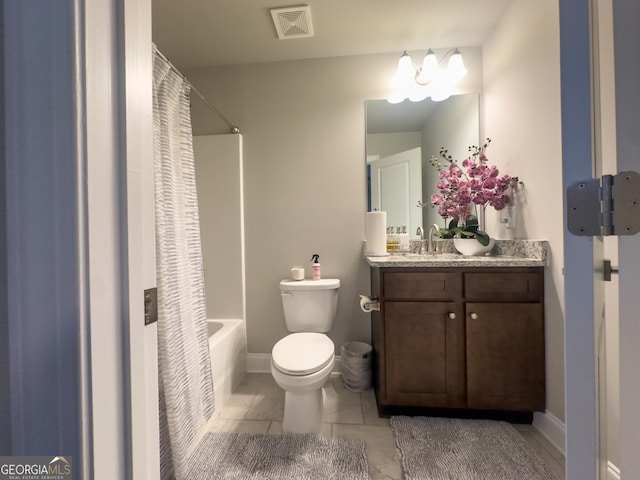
{"type": "Point", "coordinates": [150, 306]}
{"type": "Point", "coordinates": [606, 206]}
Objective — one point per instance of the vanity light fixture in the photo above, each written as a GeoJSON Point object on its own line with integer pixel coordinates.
{"type": "Point", "coordinates": [430, 80]}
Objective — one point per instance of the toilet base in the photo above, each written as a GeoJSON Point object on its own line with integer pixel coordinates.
{"type": "Point", "coordinates": [303, 411]}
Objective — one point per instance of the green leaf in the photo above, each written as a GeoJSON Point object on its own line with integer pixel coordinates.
{"type": "Point", "coordinates": [446, 233]}
{"type": "Point", "coordinates": [483, 238]}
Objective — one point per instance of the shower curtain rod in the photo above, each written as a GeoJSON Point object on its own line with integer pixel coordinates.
{"type": "Point", "coordinates": [233, 128]}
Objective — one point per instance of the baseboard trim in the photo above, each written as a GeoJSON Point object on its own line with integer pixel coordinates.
{"type": "Point", "coordinates": [552, 428]}
{"type": "Point", "coordinates": [261, 363]}
{"type": "Point", "coordinates": [258, 362]}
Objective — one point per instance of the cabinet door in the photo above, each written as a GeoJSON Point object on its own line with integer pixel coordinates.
{"type": "Point", "coordinates": [424, 354]}
{"type": "Point", "coordinates": [505, 356]}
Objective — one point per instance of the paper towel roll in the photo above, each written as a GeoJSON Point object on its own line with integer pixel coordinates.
{"type": "Point", "coordinates": [368, 304]}
{"type": "Point", "coordinates": [376, 233]}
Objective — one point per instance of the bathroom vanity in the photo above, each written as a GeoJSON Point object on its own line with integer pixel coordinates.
{"type": "Point", "coordinates": [460, 335]}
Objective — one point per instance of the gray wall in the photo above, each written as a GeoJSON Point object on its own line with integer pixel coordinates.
{"type": "Point", "coordinates": [385, 144]}
{"type": "Point", "coordinates": [218, 161]}
{"type": "Point", "coordinates": [304, 154]}
{"type": "Point", "coordinates": [521, 114]}
{"type": "Point", "coordinates": [304, 174]}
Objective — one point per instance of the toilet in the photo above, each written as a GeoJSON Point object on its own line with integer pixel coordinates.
{"type": "Point", "coordinates": [302, 361]}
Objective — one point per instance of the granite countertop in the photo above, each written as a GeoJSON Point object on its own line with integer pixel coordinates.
{"type": "Point", "coordinates": [506, 253]}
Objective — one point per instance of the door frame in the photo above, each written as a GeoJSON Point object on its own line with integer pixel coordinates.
{"type": "Point", "coordinates": [581, 443]}
{"type": "Point", "coordinates": [140, 340]}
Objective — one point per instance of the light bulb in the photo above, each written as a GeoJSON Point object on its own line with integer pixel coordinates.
{"type": "Point", "coordinates": [429, 68]}
{"type": "Point", "coordinates": [405, 73]}
{"type": "Point", "coordinates": [455, 68]}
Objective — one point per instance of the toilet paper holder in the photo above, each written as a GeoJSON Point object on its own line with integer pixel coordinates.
{"type": "Point", "coordinates": [369, 304]}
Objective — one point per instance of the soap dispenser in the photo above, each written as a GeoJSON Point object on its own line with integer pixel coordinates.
{"type": "Point", "coordinates": [315, 266]}
{"type": "Point", "coordinates": [403, 239]}
{"type": "Point", "coordinates": [392, 239]}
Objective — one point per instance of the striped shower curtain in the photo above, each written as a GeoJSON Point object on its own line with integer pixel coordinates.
{"type": "Point", "coordinates": [186, 392]}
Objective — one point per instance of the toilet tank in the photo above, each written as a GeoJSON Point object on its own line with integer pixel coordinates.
{"type": "Point", "coordinates": [309, 305]}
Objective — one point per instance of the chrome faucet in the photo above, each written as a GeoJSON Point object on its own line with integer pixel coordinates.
{"type": "Point", "coordinates": [420, 233]}
{"type": "Point", "coordinates": [433, 247]}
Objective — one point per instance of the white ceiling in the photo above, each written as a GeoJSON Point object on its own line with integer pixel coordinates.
{"type": "Point", "coordinates": [199, 33]}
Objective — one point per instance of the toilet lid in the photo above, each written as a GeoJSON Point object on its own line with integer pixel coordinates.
{"type": "Point", "coordinates": [323, 284]}
{"type": "Point", "coordinates": [302, 353]}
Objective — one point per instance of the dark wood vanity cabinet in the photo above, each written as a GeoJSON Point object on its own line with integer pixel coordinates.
{"type": "Point", "coordinates": [427, 348]}
{"type": "Point", "coordinates": [459, 338]}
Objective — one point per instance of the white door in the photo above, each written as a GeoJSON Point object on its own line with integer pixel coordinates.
{"type": "Point", "coordinates": [396, 188]}
{"type": "Point", "coordinates": [626, 15]}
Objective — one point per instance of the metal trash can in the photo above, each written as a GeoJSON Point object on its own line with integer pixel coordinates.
{"type": "Point", "coordinates": [357, 360]}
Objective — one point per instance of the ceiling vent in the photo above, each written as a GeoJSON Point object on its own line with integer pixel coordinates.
{"type": "Point", "coordinates": [292, 22]}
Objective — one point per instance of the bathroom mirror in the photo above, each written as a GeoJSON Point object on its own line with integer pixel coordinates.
{"type": "Point", "coordinates": [400, 141]}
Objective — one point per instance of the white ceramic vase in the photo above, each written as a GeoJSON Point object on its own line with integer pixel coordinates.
{"type": "Point", "coordinates": [471, 246]}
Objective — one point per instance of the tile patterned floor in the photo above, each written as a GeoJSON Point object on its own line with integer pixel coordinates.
{"type": "Point", "coordinates": [257, 407]}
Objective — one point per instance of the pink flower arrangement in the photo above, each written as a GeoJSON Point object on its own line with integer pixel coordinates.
{"type": "Point", "coordinates": [476, 183]}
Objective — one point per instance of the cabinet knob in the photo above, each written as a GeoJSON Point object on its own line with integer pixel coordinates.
{"type": "Point", "coordinates": [473, 316]}
{"type": "Point", "coordinates": [452, 315]}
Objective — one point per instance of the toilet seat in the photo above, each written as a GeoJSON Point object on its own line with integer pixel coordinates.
{"type": "Point", "coordinates": [302, 353]}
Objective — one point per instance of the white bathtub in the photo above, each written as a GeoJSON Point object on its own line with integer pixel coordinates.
{"type": "Point", "coordinates": [227, 346]}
